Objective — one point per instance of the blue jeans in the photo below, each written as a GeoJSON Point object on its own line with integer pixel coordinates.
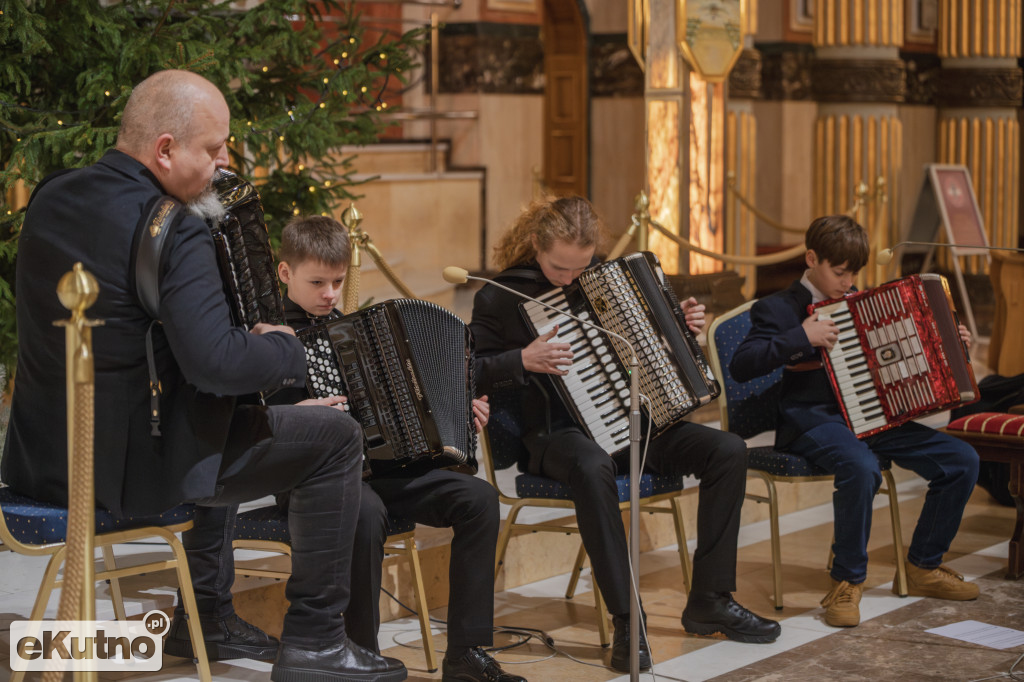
{"type": "Point", "coordinates": [949, 465]}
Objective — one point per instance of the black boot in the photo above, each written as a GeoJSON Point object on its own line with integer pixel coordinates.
{"type": "Point", "coordinates": [709, 612]}
{"type": "Point", "coordinates": [345, 662]}
{"type": "Point", "coordinates": [620, 645]}
{"type": "Point", "coordinates": [476, 665]}
{"type": "Point", "coordinates": [224, 638]}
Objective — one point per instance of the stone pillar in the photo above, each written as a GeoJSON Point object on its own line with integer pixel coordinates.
{"type": "Point", "coordinates": [667, 113]}
{"type": "Point", "coordinates": [979, 96]}
{"type": "Point", "coordinates": [858, 81]}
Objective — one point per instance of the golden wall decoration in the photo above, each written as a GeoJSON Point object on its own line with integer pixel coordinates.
{"type": "Point", "coordinates": [980, 28]}
{"type": "Point", "coordinates": [841, 23]}
{"type": "Point", "coordinates": [852, 151]}
{"type": "Point", "coordinates": [741, 165]}
{"type": "Point", "coordinates": [710, 35]}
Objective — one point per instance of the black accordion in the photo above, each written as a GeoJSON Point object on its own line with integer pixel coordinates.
{"type": "Point", "coordinates": [628, 296]}
{"type": "Point", "coordinates": [407, 369]}
{"type": "Point", "coordinates": [243, 253]}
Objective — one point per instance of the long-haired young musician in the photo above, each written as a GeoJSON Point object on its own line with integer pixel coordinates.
{"type": "Point", "coordinates": [550, 245]}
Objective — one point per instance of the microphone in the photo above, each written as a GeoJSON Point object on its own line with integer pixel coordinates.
{"type": "Point", "coordinates": [884, 257]}
{"type": "Point", "coordinates": [456, 275]}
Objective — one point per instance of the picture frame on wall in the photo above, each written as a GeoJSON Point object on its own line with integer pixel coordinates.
{"type": "Point", "coordinates": [798, 20]}
{"type": "Point", "coordinates": [525, 6]}
{"type": "Point", "coordinates": [921, 22]}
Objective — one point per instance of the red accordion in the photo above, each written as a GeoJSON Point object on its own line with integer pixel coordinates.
{"type": "Point", "coordinates": [899, 355]}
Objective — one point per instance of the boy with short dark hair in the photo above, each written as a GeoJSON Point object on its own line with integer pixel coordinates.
{"type": "Point", "coordinates": [315, 256]}
{"type": "Point", "coordinates": [811, 425]}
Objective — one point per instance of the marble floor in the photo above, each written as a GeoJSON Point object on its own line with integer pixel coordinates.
{"type": "Point", "coordinates": [547, 637]}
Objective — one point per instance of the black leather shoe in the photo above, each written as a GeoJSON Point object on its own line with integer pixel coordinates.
{"type": "Point", "coordinates": [620, 646]}
{"type": "Point", "coordinates": [710, 612]}
{"type": "Point", "coordinates": [475, 666]}
{"type": "Point", "coordinates": [229, 637]}
{"type": "Point", "coordinates": [346, 662]}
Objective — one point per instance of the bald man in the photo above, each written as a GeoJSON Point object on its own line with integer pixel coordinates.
{"type": "Point", "coordinates": [211, 450]}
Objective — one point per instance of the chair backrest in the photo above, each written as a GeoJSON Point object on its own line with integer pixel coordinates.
{"type": "Point", "coordinates": [747, 408]}
{"type": "Point", "coordinates": [504, 430]}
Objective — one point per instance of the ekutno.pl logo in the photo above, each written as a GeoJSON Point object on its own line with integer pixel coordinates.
{"type": "Point", "coordinates": [103, 646]}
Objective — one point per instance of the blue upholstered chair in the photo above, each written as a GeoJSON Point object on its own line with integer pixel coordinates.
{"type": "Point", "coordinates": [266, 529]}
{"type": "Point", "coordinates": [748, 410]}
{"type": "Point", "coordinates": [502, 447]}
{"type": "Point", "coordinates": [39, 528]}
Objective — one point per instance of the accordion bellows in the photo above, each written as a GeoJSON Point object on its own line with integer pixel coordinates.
{"type": "Point", "coordinates": [407, 369]}
{"type": "Point", "coordinates": [243, 253]}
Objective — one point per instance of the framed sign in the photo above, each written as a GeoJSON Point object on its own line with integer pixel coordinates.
{"type": "Point", "coordinates": [921, 23]}
{"type": "Point", "coordinates": [947, 203]}
{"type": "Point", "coordinates": [710, 35]}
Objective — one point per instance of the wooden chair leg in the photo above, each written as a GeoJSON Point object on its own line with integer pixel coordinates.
{"type": "Point", "coordinates": [116, 597]}
{"type": "Point", "coordinates": [43, 598]}
{"type": "Point", "coordinates": [421, 604]}
{"type": "Point", "coordinates": [684, 551]}
{"type": "Point", "coordinates": [577, 568]}
{"type": "Point", "coordinates": [188, 598]}
{"type": "Point", "coordinates": [504, 537]}
{"type": "Point", "coordinates": [897, 535]}
{"type": "Point", "coordinates": [773, 518]}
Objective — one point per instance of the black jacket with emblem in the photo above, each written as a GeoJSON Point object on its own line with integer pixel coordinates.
{"type": "Point", "coordinates": [90, 215]}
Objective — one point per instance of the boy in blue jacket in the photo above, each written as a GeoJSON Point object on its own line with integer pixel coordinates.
{"type": "Point", "coordinates": [811, 425]}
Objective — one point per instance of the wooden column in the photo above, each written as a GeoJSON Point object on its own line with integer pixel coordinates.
{"type": "Point", "coordinates": [979, 97]}
{"type": "Point", "coordinates": [858, 80]}
{"type": "Point", "coordinates": [666, 104]}
{"type": "Point", "coordinates": [741, 152]}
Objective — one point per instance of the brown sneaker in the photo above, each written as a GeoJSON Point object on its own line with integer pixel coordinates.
{"type": "Point", "coordinates": [842, 604]}
{"type": "Point", "coordinates": [941, 583]}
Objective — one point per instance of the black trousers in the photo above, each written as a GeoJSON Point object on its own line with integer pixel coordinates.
{"type": "Point", "coordinates": [717, 458]}
{"type": "Point", "coordinates": [441, 499]}
{"type": "Point", "coordinates": [316, 453]}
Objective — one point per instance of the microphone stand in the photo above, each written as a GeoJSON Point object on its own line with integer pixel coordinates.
{"type": "Point", "coordinates": [634, 464]}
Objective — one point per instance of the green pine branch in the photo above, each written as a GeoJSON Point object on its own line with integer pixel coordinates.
{"type": "Point", "coordinates": [297, 93]}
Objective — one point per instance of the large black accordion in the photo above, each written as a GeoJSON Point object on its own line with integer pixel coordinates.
{"type": "Point", "coordinates": [243, 253]}
{"type": "Point", "coordinates": [628, 296]}
{"type": "Point", "coordinates": [407, 369]}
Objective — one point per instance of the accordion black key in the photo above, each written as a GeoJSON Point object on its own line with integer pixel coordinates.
{"type": "Point", "coordinates": [407, 369]}
{"type": "Point", "coordinates": [630, 297]}
{"type": "Point", "coordinates": [243, 253]}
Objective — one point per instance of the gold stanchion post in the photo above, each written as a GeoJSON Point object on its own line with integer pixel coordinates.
{"type": "Point", "coordinates": [77, 291]}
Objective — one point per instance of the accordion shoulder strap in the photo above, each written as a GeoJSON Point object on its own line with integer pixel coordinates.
{"type": "Point", "coordinates": [150, 237]}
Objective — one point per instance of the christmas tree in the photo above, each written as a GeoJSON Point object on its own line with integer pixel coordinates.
{"type": "Point", "coordinates": [301, 80]}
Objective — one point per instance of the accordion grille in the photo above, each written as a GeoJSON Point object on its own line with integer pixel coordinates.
{"type": "Point", "coordinates": [613, 294]}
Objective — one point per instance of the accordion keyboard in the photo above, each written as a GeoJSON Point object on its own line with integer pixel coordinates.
{"type": "Point", "coordinates": [892, 360]}
{"type": "Point", "coordinates": [598, 386]}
